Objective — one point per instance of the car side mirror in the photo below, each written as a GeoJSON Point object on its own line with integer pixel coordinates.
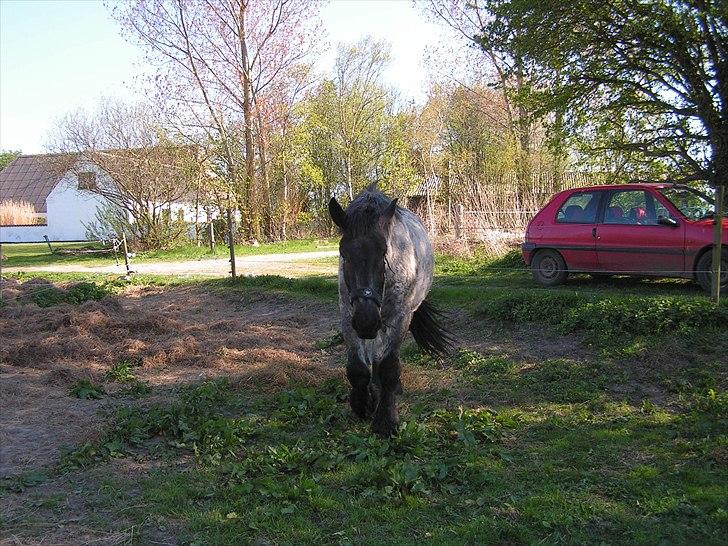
{"type": "Point", "coordinates": [667, 221]}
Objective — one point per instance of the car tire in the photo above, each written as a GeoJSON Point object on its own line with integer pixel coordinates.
{"type": "Point", "coordinates": [704, 274]}
{"type": "Point", "coordinates": [549, 268]}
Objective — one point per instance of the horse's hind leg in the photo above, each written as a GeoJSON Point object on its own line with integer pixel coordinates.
{"type": "Point", "coordinates": [386, 419]}
{"type": "Point", "coordinates": [359, 376]}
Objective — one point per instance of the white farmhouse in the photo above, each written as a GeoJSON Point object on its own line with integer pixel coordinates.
{"type": "Point", "coordinates": [58, 186]}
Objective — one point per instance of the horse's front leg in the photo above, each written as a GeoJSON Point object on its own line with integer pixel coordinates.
{"type": "Point", "coordinates": [360, 399]}
{"type": "Point", "coordinates": [386, 418]}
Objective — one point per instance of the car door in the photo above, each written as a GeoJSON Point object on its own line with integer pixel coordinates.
{"type": "Point", "coordinates": [571, 233]}
{"type": "Point", "coordinates": [630, 238]}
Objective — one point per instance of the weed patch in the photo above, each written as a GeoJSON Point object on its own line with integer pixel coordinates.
{"type": "Point", "coordinates": [121, 371]}
{"type": "Point", "coordinates": [85, 390]}
{"type": "Point", "coordinates": [334, 340]}
{"type": "Point", "coordinates": [76, 294]}
{"type": "Point", "coordinates": [19, 483]}
{"type": "Point", "coordinates": [620, 321]}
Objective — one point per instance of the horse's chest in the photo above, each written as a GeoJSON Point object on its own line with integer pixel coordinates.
{"type": "Point", "coordinates": [371, 351]}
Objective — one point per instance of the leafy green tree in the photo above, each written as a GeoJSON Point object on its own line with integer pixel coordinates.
{"type": "Point", "coordinates": [361, 106]}
{"type": "Point", "coordinates": [649, 78]}
{"type": "Point", "coordinates": [7, 157]}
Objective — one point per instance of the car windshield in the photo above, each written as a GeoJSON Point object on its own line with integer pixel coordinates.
{"type": "Point", "coordinates": [693, 204]}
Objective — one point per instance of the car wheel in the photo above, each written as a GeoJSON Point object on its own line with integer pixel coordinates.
{"type": "Point", "coordinates": [704, 273]}
{"type": "Point", "coordinates": [549, 268]}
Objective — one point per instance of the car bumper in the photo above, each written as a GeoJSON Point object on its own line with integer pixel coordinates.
{"type": "Point", "coordinates": [527, 251]}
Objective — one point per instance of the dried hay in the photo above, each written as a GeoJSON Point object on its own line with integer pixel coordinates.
{"type": "Point", "coordinates": [180, 335]}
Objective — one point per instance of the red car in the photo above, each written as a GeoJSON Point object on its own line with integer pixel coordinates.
{"type": "Point", "coordinates": [663, 230]}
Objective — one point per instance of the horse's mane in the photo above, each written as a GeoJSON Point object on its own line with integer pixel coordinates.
{"type": "Point", "coordinates": [364, 211]}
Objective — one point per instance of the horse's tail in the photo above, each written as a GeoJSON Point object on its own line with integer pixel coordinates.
{"type": "Point", "coordinates": [429, 334]}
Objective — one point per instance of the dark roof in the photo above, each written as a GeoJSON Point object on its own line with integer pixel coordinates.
{"type": "Point", "coordinates": [31, 178]}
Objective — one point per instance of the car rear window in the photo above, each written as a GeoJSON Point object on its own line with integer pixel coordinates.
{"type": "Point", "coordinates": [579, 208]}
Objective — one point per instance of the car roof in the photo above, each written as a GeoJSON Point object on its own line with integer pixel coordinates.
{"type": "Point", "coordinates": [630, 186]}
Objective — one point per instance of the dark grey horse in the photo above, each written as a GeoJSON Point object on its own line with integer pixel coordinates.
{"type": "Point", "coordinates": [385, 273]}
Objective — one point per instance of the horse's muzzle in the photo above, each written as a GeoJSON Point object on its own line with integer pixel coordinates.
{"type": "Point", "coordinates": [366, 319]}
{"type": "Point", "coordinates": [367, 334]}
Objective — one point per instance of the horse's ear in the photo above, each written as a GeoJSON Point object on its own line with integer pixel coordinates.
{"type": "Point", "coordinates": [386, 218]}
{"type": "Point", "coordinates": [337, 213]}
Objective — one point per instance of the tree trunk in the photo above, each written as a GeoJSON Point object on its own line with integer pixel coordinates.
{"type": "Point", "coordinates": [284, 212]}
{"type": "Point", "coordinates": [262, 154]}
{"type": "Point", "coordinates": [251, 209]}
{"type": "Point", "coordinates": [523, 127]}
{"type": "Point", "coordinates": [349, 184]}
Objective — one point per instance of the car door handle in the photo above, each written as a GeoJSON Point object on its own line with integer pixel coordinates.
{"type": "Point", "coordinates": [594, 233]}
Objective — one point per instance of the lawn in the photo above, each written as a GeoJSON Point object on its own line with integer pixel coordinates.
{"type": "Point", "coordinates": [38, 254]}
{"type": "Point", "coordinates": [594, 413]}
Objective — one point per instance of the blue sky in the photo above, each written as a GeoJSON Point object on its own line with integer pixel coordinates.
{"type": "Point", "coordinates": [58, 55]}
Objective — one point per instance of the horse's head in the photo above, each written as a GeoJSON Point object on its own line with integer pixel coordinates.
{"type": "Point", "coordinates": [363, 248]}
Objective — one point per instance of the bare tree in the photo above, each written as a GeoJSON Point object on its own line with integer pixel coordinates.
{"type": "Point", "coordinates": [124, 155]}
{"type": "Point", "coordinates": [215, 60]}
{"type": "Point", "coordinates": [505, 71]}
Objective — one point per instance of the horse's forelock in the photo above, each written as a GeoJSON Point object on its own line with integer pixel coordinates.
{"type": "Point", "coordinates": [362, 216]}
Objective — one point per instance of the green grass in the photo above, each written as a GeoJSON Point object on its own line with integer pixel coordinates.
{"type": "Point", "coordinates": [521, 455]}
{"type": "Point", "coordinates": [38, 254]}
{"type": "Point", "coordinates": [625, 441]}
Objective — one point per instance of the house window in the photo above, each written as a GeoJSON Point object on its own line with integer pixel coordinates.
{"type": "Point", "coordinates": [87, 181]}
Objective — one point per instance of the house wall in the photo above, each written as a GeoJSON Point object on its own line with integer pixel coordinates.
{"type": "Point", "coordinates": [70, 209]}
{"type": "Point", "coordinates": [23, 234]}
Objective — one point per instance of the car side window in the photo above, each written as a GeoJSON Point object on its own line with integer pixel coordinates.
{"type": "Point", "coordinates": [661, 210]}
{"type": "Point", "coordinates": [579, 208]}
{"type": "Point", "coordinates": [631, 207]}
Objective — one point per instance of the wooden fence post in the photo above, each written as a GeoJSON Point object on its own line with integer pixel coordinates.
{"type": "Point", "coordinates": [231, 241]}
{"type": "Point", "coordinates": [460, 221]}
{"type": "Point", "coordinates": [126, 255]}
{"type": "Point", "coordinates": [717, 242]}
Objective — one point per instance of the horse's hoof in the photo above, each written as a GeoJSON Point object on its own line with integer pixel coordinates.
{"type": "Point", "coordinates": [360, 412]}
{"type": "Point", "coordinates": [385, 428]}
{"type": "Point", "coordinates": [360, 415]}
